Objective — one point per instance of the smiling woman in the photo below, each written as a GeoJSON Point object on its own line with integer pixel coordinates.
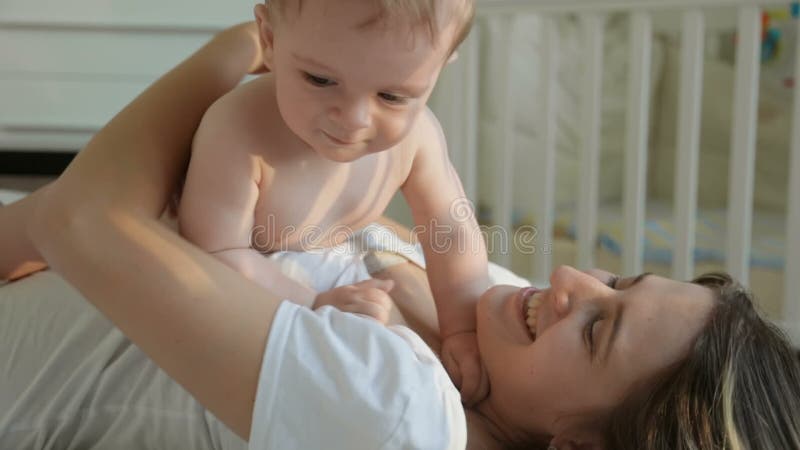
{"type": "Point", "coordinates": [588, 346]}
{"type": "Point", "coordinates": [594, 354]}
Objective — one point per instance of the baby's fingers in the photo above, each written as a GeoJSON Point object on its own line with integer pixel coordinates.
{"type": "Point", "coordinates": [375, 283]}
{"type": "Point", "coordinates": [377, 296]}
{"type": "Point", "coordinates": [452, 368]}
{"type": "Point", "coordinates": [475, 382]}
{"type": "Point", "coordinates": [369, 309]}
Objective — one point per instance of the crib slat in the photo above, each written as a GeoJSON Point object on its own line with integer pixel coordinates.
{"type": "Point", "coordinates": [594, 26]}
{"type": "Point", "coordinates": [543, 257]}
{"type": "Point", "coordinates": [449, 109]}
{"type": "Point", "coordinates": [455, 101]}
{"type": "Point", "coordinates": [505, 167]}
{"type": "Point", "coordinates": [791, 274]}
{"type": "Point", "coordinates": [742, 171]}
{"type": "Point", "coordinates": [470, 52]}
{"type": "Point", "coordinates": [689, 121]}
{"type": "Point", "coordinates": [637, 136]}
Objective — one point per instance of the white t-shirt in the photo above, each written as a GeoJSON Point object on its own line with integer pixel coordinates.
{"type": "Point", "coordinates": [334, 380]}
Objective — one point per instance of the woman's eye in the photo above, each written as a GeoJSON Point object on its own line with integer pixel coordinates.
{"type": "Point", "coordinates": [318, 81]}
{"type": "Point", "coordinates": [612, 282]}
{"type": "Point", "coordinates": [391, 98]}
{"type": "Point", "coordinates": [590, 332]}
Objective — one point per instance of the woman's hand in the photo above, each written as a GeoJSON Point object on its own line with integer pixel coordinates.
{"type": "Point", "coordinates": [369, 298]}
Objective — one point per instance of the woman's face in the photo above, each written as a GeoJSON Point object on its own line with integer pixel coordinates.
{"type": "Point", "coordinates": [593, 340]}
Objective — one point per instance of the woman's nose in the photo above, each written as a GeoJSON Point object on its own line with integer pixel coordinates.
{"type": "Point", "coordinates": [568, 285]}
{"type": "Point", "coordinates": [561, 303]}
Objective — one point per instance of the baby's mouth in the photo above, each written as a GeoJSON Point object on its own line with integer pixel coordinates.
{"type": "Point", "coordinates": [532, 302]}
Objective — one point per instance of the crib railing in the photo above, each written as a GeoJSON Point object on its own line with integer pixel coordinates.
{"type": "Point", "coordinates": [463, 140]}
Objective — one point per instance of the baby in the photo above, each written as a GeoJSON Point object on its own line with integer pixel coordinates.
{"type": "Point", "coordinates": [321, 144]}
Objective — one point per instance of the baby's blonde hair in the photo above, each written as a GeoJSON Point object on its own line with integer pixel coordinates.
{"type": "Point", "coordinates": [425, 13]}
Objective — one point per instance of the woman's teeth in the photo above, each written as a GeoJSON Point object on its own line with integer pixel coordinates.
{"type": "Point", "coordinates": [533, 303]}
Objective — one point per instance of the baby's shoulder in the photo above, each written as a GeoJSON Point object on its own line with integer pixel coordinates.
{"type": "Point", "coordinates": [244, 117]}
{"type": "Point", "coordinates": [427, 135]}
{"type": "Point", "coordinates": [247, 103]}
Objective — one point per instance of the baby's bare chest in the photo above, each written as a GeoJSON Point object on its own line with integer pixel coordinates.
{"type": "Point", "coordinates": [305, 208]}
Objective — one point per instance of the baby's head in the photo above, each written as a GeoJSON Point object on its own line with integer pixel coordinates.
{"type": "Point", "coordinates": [353, 76]}
{"type": "Point", "coordinates": [424, 15]}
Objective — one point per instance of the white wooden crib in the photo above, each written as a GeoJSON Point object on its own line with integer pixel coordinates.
{"type": "Point", "coordinates": [459, 103]}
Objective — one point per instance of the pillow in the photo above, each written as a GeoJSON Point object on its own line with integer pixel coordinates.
{"type": "Point", "coordinates": [8, 196]}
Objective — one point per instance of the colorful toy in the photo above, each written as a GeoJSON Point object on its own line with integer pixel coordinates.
{"type": "Point", "coordinates": [771, 37]}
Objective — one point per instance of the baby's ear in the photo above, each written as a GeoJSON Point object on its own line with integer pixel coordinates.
{"type": "Point", "coordinates": [265, 32]}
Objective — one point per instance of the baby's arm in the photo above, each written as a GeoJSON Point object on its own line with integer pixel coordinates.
{"type": "Point", "coordinates": [455, 256]}
{"type": "Point", "coordinates": [216, 211]}
{"type": "Point", "coordinates": [455, 253]}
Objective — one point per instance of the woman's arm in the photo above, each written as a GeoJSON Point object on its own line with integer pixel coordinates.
{"type": "Point", "coordinates": [18, 257]}
{"type": "Point", "coordinates": [413, 301]}
{"type": "Point", "coordinates": [97, 225]}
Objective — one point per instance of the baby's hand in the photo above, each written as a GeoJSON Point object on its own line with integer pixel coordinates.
{"type": "Point", "coordinates": [369, 298]}
{"type": "Point", "coordinates": [463, 362]}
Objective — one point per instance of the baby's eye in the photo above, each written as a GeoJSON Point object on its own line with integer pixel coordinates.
{"type": "Point", "coordinates": [318, 81]}
{"type": "Point", "coordinates": [391, 98]}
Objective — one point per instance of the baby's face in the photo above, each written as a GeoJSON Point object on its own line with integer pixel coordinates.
{"type": "Point", "coordinates": [347, 89]}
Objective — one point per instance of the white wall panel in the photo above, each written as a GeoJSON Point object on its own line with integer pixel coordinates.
{"type": "Point", "coordinates": [146, 14]}
{"type": "Point", "coordinates": [64, 104]}
{"type": "Point", "coordinates": [67, 67]}
{"type": "Point", "coordinates": [62, 53]}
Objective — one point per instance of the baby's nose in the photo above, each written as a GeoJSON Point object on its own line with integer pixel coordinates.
{"type": "Point", "coordinates": [355, 115]}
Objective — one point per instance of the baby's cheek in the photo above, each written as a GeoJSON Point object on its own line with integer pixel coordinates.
{"type": "Point", "coordinates": [397, 128]}
{"type": "Point", "coordinates": [294, 114]}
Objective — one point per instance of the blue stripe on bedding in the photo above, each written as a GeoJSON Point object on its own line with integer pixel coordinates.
{"type": "Point", "coordinates": [768, 242]}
